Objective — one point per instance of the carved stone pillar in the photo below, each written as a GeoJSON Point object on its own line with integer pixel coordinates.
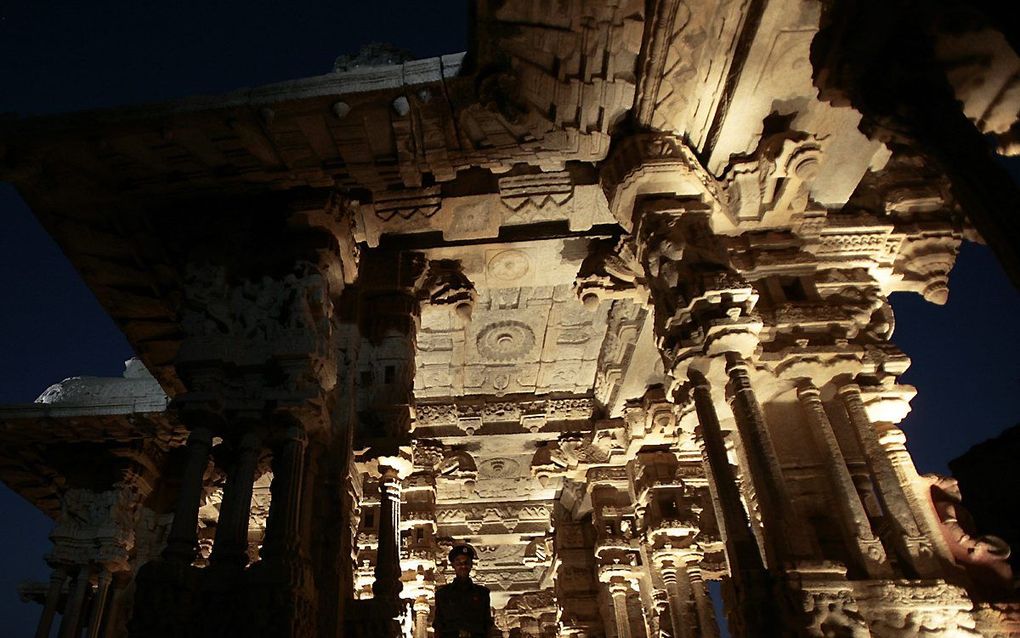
{"type": "Point", "coordinates": [931, 541]}
{"type": "Point", "coordinates": [702, 604]}
{"type": "Point", "coordinates": [387, 586]}
{"type": "Point", "coordinates": [231, 546]}
{"type": "Point", "coordinates": [70, 625]}
{"type": "Point", "coordinates": [894, 499]}
{"type": "Point", "coordinates": [742, 550]}
{"type": "Point", "coordinates": [99, 602]}
{"type": "Point", "coordinates": [618, 590]}
{"type": "Point", "coordinates": [421, 618]}
{"type": "Point", "coordinates": [853, 519]}
{"type": "Point", "coordinates": [57, 580]}
{"type": "Point", "coordinates": [678, 594]}
{"type": "Point", "coordinates": [282, 534]}
{"type": "Point", "coordinates": [784, 536]}
{"type": "Point", "coordinates": [750, 581]}
{"type": "Point", "coordinates": [182, 542]}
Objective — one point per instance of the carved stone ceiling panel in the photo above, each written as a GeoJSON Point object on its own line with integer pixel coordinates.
{"type": "Point", "coordinates": [500, 511]}
{"type": "Point", "coordinates": [502, 475]}
{"type": "Point", "coordinates": [528, 332]}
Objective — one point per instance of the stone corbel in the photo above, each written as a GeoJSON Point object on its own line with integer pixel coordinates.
{"type": "Point", "coordinates": [654, 164]}
{"type": "Point", "coordinates": [459, 465]}
{"type": "Point", "coordinates": [767, 189]}
{"type": "Point", "coordinates": [548, 462]}
{"type": "Point", "coordinates": [443, 283]}
{"type": "Point", "coordinates": [924, 263]}
{"type": "Point", "coordinates": [336, 217]}
{"type": "Point", "coordinates": [702, 306]}
{"type": "Point", "coordinates": [610, 273]}
{"type": "Point", "coordinates": [887, 404]}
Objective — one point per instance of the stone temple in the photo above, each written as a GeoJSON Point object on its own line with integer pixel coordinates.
{"type": "Point", "coordinates": [605, 296]}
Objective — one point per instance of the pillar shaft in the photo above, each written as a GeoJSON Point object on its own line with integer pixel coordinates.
{"type": "Point", "coordinates": [99, 603]}
{"type": "Point", "coordinates": [182, 542]}
{"type": "Point", "coordinates": [421, 619]}
{"type": "Point", "coordinates": [70, 626]}
{"type": "Point", "coordinates": [735, 525]}
{"type": "Point", "coordinates": [231, 546]}
{"type": "Point", "coordinates": [702, 605]}
{"type": "Point", "coordinates": [387, 585]}
{"type": "Point", "coordinates": [57, 580]}
{"type": "Point", "coordinates": [891, 493]}
{"type": "Point", "coordinates": [682, 628]}
{"type": "Point", "coordinates": [852, 517]}
{"type": "Point", "coordinates": [784, 536]}
{"type": "Point", "coordinates": [618, 593]}
{"type": "Point", "coordinates": [754, 607]}
{"type": "Point", "coordinates": [282, 529]}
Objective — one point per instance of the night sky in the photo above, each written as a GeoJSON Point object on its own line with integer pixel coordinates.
{"type": "Point", "coordinates": [67, 56]}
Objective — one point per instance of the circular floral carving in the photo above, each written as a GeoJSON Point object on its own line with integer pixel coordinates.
{"type": "Point", "coordinates": [499, 468]}
{"type": "Point", "coordinates": [509, 265]}
{"type": "Point", "coordinates": [505, 340]}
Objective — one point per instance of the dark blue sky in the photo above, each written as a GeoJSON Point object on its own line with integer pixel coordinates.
{"type": "Point", "coordinates": [66, 56]}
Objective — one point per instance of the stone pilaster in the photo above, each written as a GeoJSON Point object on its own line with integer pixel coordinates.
{"type": "Point", "coordinates": [910, 542]}
{"type": "Point", "coordinates": [853, 519]}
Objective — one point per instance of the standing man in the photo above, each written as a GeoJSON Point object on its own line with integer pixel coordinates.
{"type": "Point", "coordinates": [462, 607]}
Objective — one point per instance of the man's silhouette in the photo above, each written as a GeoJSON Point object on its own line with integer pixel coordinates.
{"type": "Point", "coordinates": [462, 607]}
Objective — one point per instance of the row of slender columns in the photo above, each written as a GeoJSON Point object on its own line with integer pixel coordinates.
{"type": "Point", "coordinates": [690, 609]}
{"type": "Point", "coordinates": [784, 538]}
{"type": "Point", "coordinates": [230, 547]}
{"type": "Point", "coordinates": [81, 584]}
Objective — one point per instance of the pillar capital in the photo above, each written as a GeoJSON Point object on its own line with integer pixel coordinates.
{"type": "Point", "coordinates": [850, 390]}
{"type": "Point", "coordinates": [394, 467]}
{"type": "Point", "coordinates": [808, 390]}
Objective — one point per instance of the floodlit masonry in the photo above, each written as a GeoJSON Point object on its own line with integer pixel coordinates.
{"type": "Point", "coordinates": [606, 297]}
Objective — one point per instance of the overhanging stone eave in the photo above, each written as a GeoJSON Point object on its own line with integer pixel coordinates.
{"type": "Point", "coordinates": [360, 81]}
{"type": "Point", "coordinates": [31, 434]}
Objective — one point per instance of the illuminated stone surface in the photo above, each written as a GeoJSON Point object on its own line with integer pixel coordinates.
{"type": "Point", "coordinates": [611, 304]}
